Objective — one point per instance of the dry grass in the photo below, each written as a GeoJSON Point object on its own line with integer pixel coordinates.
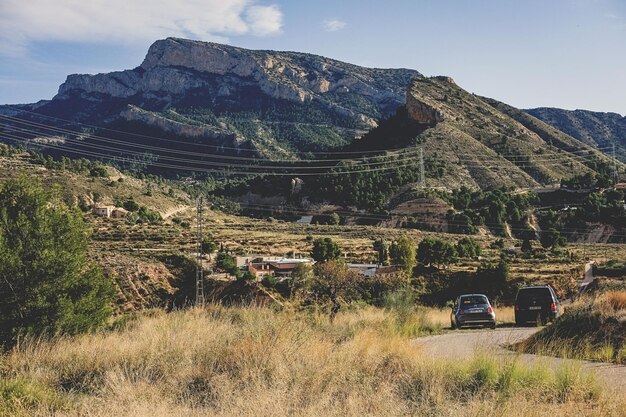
{"type": "Point", "coordinates": [611, 301]}
{"type": "Point", "coordinates": [254, 361]}
{"type": "Point", "coordinates": [592, 328]}
{"type": "Point", "coordinates": [441, 316]}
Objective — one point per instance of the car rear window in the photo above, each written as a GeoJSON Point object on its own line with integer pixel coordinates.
{"type": "Point", "coordinates": [533, 293]}
{"type": "Point", "coordinates": [473, 299]}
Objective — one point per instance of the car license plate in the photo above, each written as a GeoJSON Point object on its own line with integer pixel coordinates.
{"type": "Point", "coordinates": [535, 308]}
{"type": "Point", "coordinates": [476, 310]}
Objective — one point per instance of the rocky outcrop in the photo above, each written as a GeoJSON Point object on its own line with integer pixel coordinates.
{"type": "Point", "coordinates": [270, 103]}
{"type": "Point", "coordinates": [421, 111]}
{"type": "Point", "coordinates": [175, 66]}
{"type": "Point", "coordinates": [134, 113]}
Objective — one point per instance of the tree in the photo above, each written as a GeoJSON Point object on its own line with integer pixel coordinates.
{"type": "Point", "coordinates": [325, 249]}
{"type": "Point", "coordinates": [552, 238]}
{"type": "Point", "coordinates": [468, 248]}
{"type": "Point", "coordinates": [493, 277]}
{"type": "Point", "coordinates": [228, 264]}
{"type": "Point", "coordinates": [437, 252]}
{"type": "Point", "coordinates": [527, 247]}
{"type": "Point", "coordinates": [208, 246]}
{"type": "Point", "coordinates": [382, 248]}
{"type": "Point", "coordinates": [332, 284]}
{"type": "Point", "coordinates": [335, 219]}
{"type": "Point", "coordinates": [47, 284]}
{"type": "Point", "coordinates": [402, 253]}
{"type": "Point", "coordinates": [425, 253]}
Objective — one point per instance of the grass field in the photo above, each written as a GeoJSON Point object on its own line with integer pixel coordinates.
{"type": "Point", "coordinates": [256, 361]}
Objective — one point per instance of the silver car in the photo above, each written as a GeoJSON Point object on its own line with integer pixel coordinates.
{"type": "Point", "coordinates": [472, 310]}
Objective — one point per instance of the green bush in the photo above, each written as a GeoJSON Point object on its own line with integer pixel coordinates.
{"type": "Point", "coordinates": [325, 249]}
{"type": "Point", "coordinates": [47, 285]}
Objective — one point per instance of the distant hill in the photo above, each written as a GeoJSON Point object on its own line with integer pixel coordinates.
{"type": "Point", "coordinates": [597, 129]}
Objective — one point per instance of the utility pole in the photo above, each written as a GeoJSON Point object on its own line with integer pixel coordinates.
{"type": "Point", "coordinates": [615, 176]}
{"type": "Point", "coordinates": [199, 268]}
{"type": "Point", "coordinates": [422, 175]}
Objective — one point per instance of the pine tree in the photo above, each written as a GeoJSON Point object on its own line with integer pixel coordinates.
{"type": "Point", "coordinates": [47, 284]}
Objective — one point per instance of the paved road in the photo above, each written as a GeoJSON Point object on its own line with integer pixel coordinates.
{"type": "Point", "coordinates": [464, 344]}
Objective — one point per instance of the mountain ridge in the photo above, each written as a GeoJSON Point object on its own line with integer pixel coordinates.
{"type": "Point", "coordinates": [598, 129]}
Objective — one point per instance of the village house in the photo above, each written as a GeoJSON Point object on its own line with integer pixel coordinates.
{"type": "Point", "coordinates": [119, 213]}
{"type": "Point", "coordinates": [109, 212]}
{"type": "Point", "coordinates": [281, 268]}
{"type": "Point", "coordinates": [103, 211]}
{"type": "Point", "coordinates": [374, 270]}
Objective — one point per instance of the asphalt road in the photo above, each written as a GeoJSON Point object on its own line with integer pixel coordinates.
{"type": "Point", "coordinates": [464, 344]}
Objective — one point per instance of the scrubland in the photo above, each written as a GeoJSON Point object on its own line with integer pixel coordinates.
{"type": "Point", "coordinates": [592, 328]}
{"type": "Point", "coordinates": [254, 361]}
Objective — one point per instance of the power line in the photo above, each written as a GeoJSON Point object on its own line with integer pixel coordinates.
{"type": "Point", "coordinates": [220, 147]}
{"type": "Point", "coordinates": [404, 156]}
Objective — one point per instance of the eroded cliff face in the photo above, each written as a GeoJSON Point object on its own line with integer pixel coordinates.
{"type": "Point", "coordinates": [275, 104]}
{"type": "Point", "coordinates": [176, 66]}
{"type": "Point", "coordinates": [422, 111]}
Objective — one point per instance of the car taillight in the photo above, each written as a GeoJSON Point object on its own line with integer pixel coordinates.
{"type": "Point", "coordinates": [516, 307]}
{"type": "Point", "coordinates": [489, 309]}
{"type": "Point", "coordinates": [553, 307]}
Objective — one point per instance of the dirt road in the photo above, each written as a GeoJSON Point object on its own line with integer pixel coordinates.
{"type": "Point", "coordinates": [464, 344]}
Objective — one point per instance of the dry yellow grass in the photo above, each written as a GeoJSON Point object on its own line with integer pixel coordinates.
{"type": "Point", "coordinates": [257, 362]}
{"type": "Point", "coordinates": [441, 316]}
{"type": "Point", "coordinates": [591, 328]}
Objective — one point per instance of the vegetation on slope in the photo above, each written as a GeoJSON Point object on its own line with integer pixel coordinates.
{"type": "Point", "coordinates": [48, 284]}
{"type": "Point", "coordinates": [593, 328]}
{"type": "Point", "coordinates": [597, 129]}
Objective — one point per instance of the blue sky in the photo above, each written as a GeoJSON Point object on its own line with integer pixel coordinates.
{"type": "Point", "coordinates": [559, 53]}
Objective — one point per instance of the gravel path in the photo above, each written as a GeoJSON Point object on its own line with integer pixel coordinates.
{"type": "Point", "coordinates": [465, 343]}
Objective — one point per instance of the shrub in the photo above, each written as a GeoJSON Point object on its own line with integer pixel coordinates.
{"type": "Point", "coordinates": [47, 285]}
{"type": "Point", "coordinates": [325, 249]}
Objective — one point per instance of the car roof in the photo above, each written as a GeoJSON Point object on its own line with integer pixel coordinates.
{"type": "Point", "coordinates": [535, 286]}
{"type": "Point", "coordinates": [472, 295]}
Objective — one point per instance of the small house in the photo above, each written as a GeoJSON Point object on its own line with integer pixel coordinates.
{"type": "Point", "coordinates": [119, 213]}
{"type": "Point", "coordinates": [103, 211]}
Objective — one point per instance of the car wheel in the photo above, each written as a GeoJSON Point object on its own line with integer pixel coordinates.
{"type": "Point", "coordinates": [544, 320]}
{"type": "Point", "coordinates": [452, 325]}
{"type": "Point", "coordinates": [492, 326]}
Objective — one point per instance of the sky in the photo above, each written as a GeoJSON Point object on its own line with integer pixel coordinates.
{"type": "Point", "coordinates": [558, 53]}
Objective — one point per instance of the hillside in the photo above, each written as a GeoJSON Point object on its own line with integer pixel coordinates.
{"type": "Point", "coordinates": [465, 140]}
{"type": "Point", "coordinates": [597, 129]}
{"type": "Point", "coordinates": [484, 145]}
{"type": "Point", "coordinates": [271, 104]}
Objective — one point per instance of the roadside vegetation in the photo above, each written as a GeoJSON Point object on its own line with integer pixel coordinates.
{"type": "Point", "coordinates": [258, 361]}
{"type": "Point", "coordinates": [593, 328]}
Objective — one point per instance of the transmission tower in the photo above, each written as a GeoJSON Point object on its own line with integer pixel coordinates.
{"type": "Point", "coordinates": [422, 174]}
{"type": "Point", "coordinates": [199, 257]}
{"type": "Point", "coordinates": [615, 176]}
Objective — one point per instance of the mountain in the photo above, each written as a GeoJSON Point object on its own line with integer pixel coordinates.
{"type": "Point", "coordinates": [597, 129]}
{"type": "Point", "coordinates": [288, 106]}
{"type": "Point", "coordinates": [275, 104]}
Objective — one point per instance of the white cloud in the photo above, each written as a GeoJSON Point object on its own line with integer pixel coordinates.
{"type": "Point", "coordinates": [264, 20]}
{"type": "Point", "coordinates": [332, 25]}
{"type": "Point", "coordinates": [130, 21]}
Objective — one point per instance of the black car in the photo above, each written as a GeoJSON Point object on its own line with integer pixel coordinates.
{"type": "Point", "coordinates": [537, 304]}
{"type": "Point", "coordinates": [472, 310]}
